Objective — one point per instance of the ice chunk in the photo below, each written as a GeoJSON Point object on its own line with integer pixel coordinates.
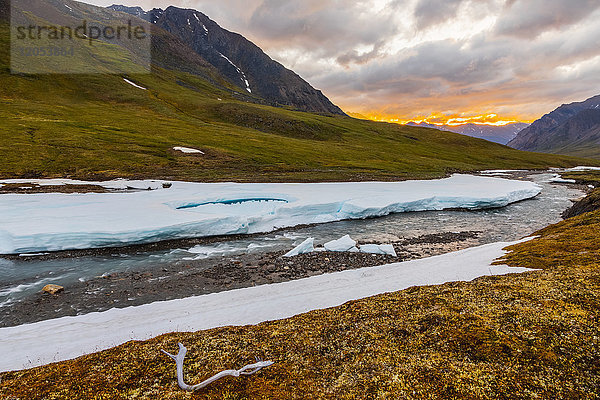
{"type": "Point", "coordinates": [386, 249]}
{"type": "Point", "coordinates": [308, 246]}
{"type": "Point", "coordinates": [345, 243]}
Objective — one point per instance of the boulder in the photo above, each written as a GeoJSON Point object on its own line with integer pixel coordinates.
{"type": "Point", "coordinates": [53, 289]}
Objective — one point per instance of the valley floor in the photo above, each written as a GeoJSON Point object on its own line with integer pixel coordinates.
{"type": "Point", "coordinates": [203, 276]}
{"type": "Point", "coordinates": [532, 335]}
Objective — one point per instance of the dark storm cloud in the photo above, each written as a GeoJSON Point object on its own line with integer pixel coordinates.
{"type": "Point", "coordinates": [432, 12]}
{"type": "Point", "coordinates": [333, 27]}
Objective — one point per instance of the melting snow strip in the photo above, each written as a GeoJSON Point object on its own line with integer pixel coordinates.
{"type": "Point", "coordinates": [133, 84]}
{"type": "Point", "coordinates": [27, 346]}
{"type": "Point", "coordinates": [117, 184]}
{"type": "Point", "coordinates": [243, 75]}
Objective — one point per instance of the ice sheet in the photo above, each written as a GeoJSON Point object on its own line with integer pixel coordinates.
{"type": "Point", "coordinates": [33, 223]}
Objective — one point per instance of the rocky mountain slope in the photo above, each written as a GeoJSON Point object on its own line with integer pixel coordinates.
{"type": "Point", "coordinates": [570, 129]}
{"type": "Point", "coordinates": [498, 134]}
{"type": "Point", "coordinates": [242, 62]}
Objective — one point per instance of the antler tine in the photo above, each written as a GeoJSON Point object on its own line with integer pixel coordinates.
{"type": "Point", "coordinates": [169, 354]}
{"type": "Point", "coordinates": [179, 359]}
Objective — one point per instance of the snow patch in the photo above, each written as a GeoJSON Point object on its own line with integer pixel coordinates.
{"type": "Point", "coordinates": [133, 84]}
{"type": "Point", "coordinates": [583, 168]}
{"type": "Point", "coordinates": [501, 171]}
{"type": "Point", "coordinates": [558, 179]}
{"type": "Point", "coordinates": [34, 223]}
{"type": "Point", "coordinates": [188, 150]}
{"type": "Point", "coordinates": [69, 337]}
{"type": "Point", "coordinates": [117, 184]}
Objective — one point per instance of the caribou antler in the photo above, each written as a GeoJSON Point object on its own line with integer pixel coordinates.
{"type": "Point", "coordinates": [247, 370]}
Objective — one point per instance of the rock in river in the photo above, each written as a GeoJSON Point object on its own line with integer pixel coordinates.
{"type": "Point", "coordinates": [53, 289]}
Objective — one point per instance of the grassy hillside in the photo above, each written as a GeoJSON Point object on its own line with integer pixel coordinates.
{"type": "Point", "coordinates": [532, 335]}
{"type": "Point", "coordinates": [99, 126]}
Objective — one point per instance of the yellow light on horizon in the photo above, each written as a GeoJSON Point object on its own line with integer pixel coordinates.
{"type": "Point", "coordinates": [491, 119]}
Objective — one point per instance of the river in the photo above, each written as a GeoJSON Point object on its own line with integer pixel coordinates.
{"type": "Point", "coordinates": [22, 277]}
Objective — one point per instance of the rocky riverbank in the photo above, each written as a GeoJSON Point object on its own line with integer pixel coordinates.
{"type": "Point", "coordinates": [200, 277]}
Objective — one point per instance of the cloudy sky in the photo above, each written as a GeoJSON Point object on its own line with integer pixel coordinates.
{"type": "Point", "coordinates": [411, 59]}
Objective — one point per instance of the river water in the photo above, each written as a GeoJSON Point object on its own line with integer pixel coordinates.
{"type": "Point", "coordinates": [21, 278]}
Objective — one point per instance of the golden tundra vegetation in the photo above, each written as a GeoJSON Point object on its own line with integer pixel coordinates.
{"type": "Point", "coordinates": [532, 335]}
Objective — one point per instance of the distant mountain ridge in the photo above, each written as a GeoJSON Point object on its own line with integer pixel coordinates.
{"type": "Point", "coordinates": [240, 61]}
{"type": "Point", "coordinates": [572, 129]}
{"type": "Point", "coordinates": [498, 134]}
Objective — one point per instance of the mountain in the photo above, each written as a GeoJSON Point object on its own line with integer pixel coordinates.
{"type": "Point", "coordinates": [498, 134]}
{"type": "Point", "coordinates": [137, 11]}
{"type": "Point", "coordinates": [570, 129]}
{"type": "Point", "coordinates": [242, 62]}
{"type": "Point", "coordinates": [106, 124]}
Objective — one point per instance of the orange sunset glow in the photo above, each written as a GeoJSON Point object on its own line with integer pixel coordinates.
{"type": "Point", "coordinates": [449, 120]}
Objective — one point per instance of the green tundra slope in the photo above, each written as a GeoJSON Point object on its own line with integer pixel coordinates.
{"type": "Point", "coordinates": [99, 126]}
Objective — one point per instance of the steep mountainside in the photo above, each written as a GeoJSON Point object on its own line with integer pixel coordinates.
{"type": "Point", "coordinates": [564, 131]}
{"type": "Point", "coordinates": [498, 134]}
{"type": "Point", "coordinates": [241, 61]}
